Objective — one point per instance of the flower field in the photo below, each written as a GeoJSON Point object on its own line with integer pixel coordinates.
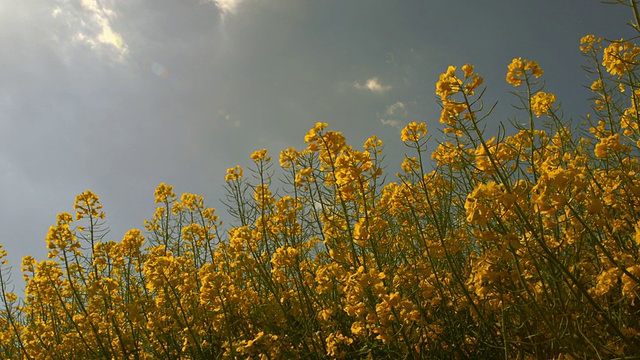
{"type": "Point", "coordinates": [524, 244]}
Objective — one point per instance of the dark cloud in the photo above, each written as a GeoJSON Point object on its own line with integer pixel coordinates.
{"type": "Point", "coordinates": [118, 96]}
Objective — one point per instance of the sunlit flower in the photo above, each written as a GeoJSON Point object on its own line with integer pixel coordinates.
{"type": "Point", "coordinates": [468, 70]}
{"type": "Point", "coordinates": [413, 132]}
{"type": "Point", "coordinates": [620, 57]}
{"type": "Point", "coordinates": [234, 173]}
{"type": "Point", "coordinates": [288, 157]}
{"type": "Point", "coordinates": [448, 84]}
{"type": "Point", "coordinates": [587, 43]}
{"type": "Point", "coordinates": [542, 102]}
{"type": "Point", "coordinates": [164, 193]}
{"type": "Point", "coordinates": [259, 155]}
{"type": "Point", "coordinates": [519, 68]}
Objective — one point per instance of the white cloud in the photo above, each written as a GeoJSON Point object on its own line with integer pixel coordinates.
{"type": "Point", "coordinates": [108, 36]}
{"type": "Point", "coordinates": [89, 4]}
{"type": "Point", "coordinates": [227, 6]}
{"type": "Point", "coordinates": [397, 109]}
{"type": "Point", "coordinates": [372, 85]}
{"type": "Point", "coordinates": [395, 115]}
{"type": "Point", "coordinates": [393, 123]}
{"type": "Point", "coordinates": [92, 26]}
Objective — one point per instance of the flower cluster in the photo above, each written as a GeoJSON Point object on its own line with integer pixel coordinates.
{"type": "Point", "coordinates": [520, 70]}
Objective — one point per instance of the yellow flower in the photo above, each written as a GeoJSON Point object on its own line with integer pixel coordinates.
{"type": "Point", "coordinates": [413, 132]}
{"type": "Point", "coordinates": [449, 154]}
{"type": "Point", "coordinates": [305, 175]}
{"type": "Point", "coordinates": [164, 193]}
{"type": "Point", "coordinates": [542, 102]}
{"type": "Point", "coordinates": [448, 84]}
{"type": "Point", "coordinates": [233, 173]}
{"type": "Point", "coordinates": [597, 85]}
{"type": "Point", "coordinates": [629, 285]}
{"type": "Point", "coordinates": [288, 157]}
{"type": "Point", "coordinates": [373, 144]}
{"type": "Point", "coordinates": [516, 71]}
{"type": "Point", "coordinates": [334, 341]}
{"type": "Point", "coordinates": [28, 263]}
{"type": "Point", "coordinates": [3, 255]}
{"type": "Point", "coordinates": [88, 203]}
{"type": "Point", "coordinates": [483, 162]}
{"type": "Point", "coordinates": [619, 57]}
{"type": "Point", "coordinates": [263, 195]}
{"type": "Point", "coordinates": [475, 82]}
{"type": "Point", "coordinates": [479, 205]}
{"type": "Point", "coordinates": [637, 233]}
{"type": "Point", "coordinates": [468, 70]}
{"type": "Point", "coordinates": [451, 111]}
{"type": "Point", "coordinates": [608, 143]}
{"type": "Point", "coordinates": [606, 281]}
{"type": "Point", "coordinates": [533, 66]}
{"type": "Point", "coordinates": [190, 202]}
{"type": "Point", "coordinates": [587, 40]}
{"type": "Point", "coordinates": [312, 135]}
{"type": "Point", "coordinates": [259, 155]}
{"type": "Point", "coordinates": [409, 164]}
{"type": "Point", "coordinates": [132, 242]}
{"type": "Point", "coordinates": [284, 257]}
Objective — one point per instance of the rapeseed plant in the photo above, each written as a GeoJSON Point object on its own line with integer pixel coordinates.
{"type": "Point", "coordinates": [518, 246]}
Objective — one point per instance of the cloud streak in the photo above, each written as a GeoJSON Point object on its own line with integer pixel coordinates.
{"type": "Point", "coordinates": [227, 6]}
{"type": "Point", "coordinates": [395, 115]}
{"type": "Point", "coordinates": [372, 85]}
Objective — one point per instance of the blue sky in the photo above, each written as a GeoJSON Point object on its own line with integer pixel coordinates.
{"type": "Point", "coordinates": [117, 96]}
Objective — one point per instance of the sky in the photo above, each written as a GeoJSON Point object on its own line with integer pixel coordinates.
{"type": "Point", "coordinates": [118, 96]}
